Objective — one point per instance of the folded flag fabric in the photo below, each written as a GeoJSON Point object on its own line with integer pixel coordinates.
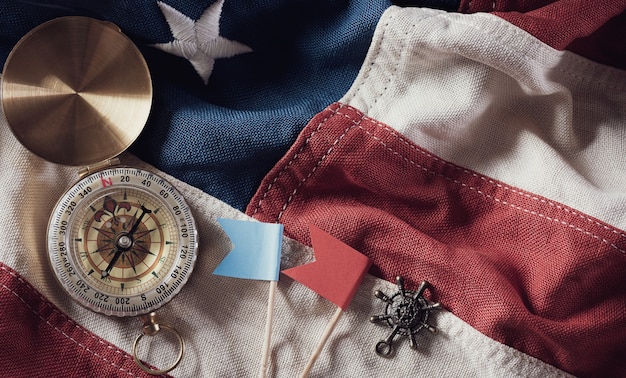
{"type": "Point", "coordinates": [223, 126]}
{"type": "Point", "coordinates": [256, 251]}
{"type": "Point", "coordinates": [468, 152]}
{"type": "Point", "coordinates": [576, 25]}
{"type": "Point", "coordinates": [337, 271]}
{"type": "Point", "coordinates": [492, 170]}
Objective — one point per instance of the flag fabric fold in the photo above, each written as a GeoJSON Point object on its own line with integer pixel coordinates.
{"type": "Point", "coordinates": [491, 170]}
{"type": "Point", "coordinates": [470, 151]}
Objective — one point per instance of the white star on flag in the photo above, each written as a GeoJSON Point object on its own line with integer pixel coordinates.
{"type": "Point", "coordinates": [199, 41]}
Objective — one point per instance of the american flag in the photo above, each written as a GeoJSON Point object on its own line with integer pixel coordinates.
{"type": "Point", "coordinates": [477, 145]}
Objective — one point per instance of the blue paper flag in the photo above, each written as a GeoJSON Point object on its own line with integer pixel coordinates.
{"type": "Point", "coordinates": [256, 254]}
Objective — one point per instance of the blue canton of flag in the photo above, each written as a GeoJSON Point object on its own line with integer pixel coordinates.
{"type": "Point", "coordinates": [234, 82]}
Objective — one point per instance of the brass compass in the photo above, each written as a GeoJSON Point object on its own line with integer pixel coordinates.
{"type": "Point", "coordinates": [121, 241]}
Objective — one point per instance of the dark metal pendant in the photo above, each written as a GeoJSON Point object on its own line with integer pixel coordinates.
{"type": "Point", "coordinates": [406, 312]}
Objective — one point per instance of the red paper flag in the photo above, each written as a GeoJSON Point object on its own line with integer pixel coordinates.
{"type": "Point", "coordinates": [336, 272]}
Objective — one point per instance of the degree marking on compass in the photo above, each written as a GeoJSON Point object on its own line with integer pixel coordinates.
{"type": "Point", "coordinates": [154, 274]}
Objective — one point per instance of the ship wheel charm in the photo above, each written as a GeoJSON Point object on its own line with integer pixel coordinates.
{"type": "Point", "coordinates": [406, 312]}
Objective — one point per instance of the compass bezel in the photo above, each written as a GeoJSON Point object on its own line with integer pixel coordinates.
{"type": "Point", "coordinates": [63, 256]}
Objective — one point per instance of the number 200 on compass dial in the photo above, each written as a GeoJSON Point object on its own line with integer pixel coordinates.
{"type": "Point", "coordinates": [122, 241]}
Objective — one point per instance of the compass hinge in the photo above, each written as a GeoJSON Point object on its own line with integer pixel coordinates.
{"type": "Point", "coordinates": [84, 171]}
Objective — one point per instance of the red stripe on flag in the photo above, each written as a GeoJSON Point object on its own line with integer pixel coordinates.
{"type": "Point", "coordinates": [584, 27]}
{"type": "Point", "coordinates": [37, 339]}
{"type": "Point", "coordinates": [522, 269]}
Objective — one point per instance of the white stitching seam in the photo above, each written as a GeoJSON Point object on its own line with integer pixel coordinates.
{"type": "Point", "coordinates": [320, 161]}
{"type": "Point", "coordinates": [293, 158]}
{"type": "Point", "coordinates": [116, 350]}
{"type": "Point", "coordinates": [356, 123]}
{"type": "Point", "coordinates": [514, 206]}
{"type": "Point", "coordinates": [492, 182]}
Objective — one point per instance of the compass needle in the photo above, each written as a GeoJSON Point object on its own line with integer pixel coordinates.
{"type": "Point", "coordinates": [107, 270]}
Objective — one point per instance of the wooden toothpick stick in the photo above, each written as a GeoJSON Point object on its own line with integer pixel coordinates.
{"type": "Point", "coordinates": [265, 355]}
{"type": "Point", "coordinates": [327, 332]}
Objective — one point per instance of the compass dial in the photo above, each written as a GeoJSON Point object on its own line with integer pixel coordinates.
{"type": "Point", "coordinates": [122, 241]}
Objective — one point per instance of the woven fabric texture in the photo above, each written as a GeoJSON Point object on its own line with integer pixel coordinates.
{"type": "Point", "coordinates": [525, 268]}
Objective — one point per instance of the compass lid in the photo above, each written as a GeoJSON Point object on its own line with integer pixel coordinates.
{"type": "Point", "coordinates": [76, 91]}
